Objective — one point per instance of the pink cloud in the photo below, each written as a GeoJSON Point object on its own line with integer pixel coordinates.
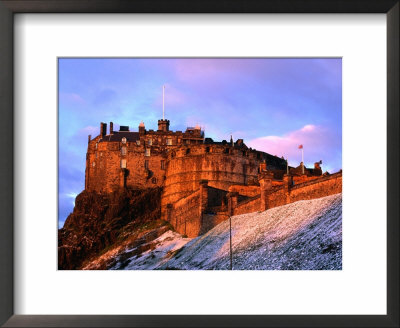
{"type": "Point", "coordinates": [318, 143]}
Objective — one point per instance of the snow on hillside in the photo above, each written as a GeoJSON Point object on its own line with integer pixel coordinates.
{"type": "Point", "coordinates": [306, 235]}
{"type": "Point", "coordinates": [158, 251]}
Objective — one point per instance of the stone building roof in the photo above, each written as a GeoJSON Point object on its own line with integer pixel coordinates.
{"type": "Point", "coordinates": [118, 135]}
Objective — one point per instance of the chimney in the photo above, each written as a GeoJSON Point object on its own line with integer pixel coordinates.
{"type": "Point", "coordinates": [103, 129]}
{"type": "Point", "coordinates": [141, 128]}
{"type": "Point", "coordinates": [111, 128]}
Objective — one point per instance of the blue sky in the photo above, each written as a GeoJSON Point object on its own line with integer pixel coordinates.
{"type": "Point", "coordinates": [273, 104]}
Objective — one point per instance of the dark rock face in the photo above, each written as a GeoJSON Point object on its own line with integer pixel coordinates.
{"type": "Point", "coordinates": [99, 220]}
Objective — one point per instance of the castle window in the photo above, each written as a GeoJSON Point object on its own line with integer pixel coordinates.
{"type": "Point", "coordinates": [162, 165]}
{"type": "Point", "coordinates": [123, 163]}
{"type": "Point", "coordinates": [123, 151]}
{"type": "Point", "coordinates": [150, 142]}
{"type": "Point", "coordinates": [226, 150]}
{"type": "Point", "coordinates": [123, 140]}
{"type": "Point", "coordinates": [173, 154]}
{"type": "Point", "coordinates": [96, 146]}
{"type": "Point", "coordinates": [101, 154]}
{"type": "Point", "coordinates": [138, 142]}
{"type": "Point", "coordinates": [94, 164]}
{"type": "Point", "coordinates": [187, 151]}
{"type": "Point", "coordinates": [96, 154]}
{"type": "Point", "coordinates": [207, 149]}
{"type": "Point", "coordinates": [146, 164]}
{"type": "Point", "coordinates": [154, 180]}
{"type": "Point", "coordinates": [187, 142]}
{"type": "Point", "coordinates": [147, 152]}
{"type": "Point", "coordinates": [169, 142]}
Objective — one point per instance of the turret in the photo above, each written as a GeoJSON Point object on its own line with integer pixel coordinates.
{"type": "Point", "coordinates": [317, 168]}
{"type": "Point", "coordinates": [163, 125]}
{"type": "Point", "coordinates": [111, 128]}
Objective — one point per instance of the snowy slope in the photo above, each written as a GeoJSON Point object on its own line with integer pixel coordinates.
{"type": "Point", "coordinates": [306, 235]}
{"type": "Point", "coordinates": [159, 251]}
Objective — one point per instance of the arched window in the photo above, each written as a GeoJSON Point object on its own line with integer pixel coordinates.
{"type": "Point", "coordinates": [187, 151]}
{"type": "Point", "coordinates": [123, 163]}
{"type": "Point", "coordinates": [207, 149]}
{"type": "Point", "coordinates": [154, 180]}
{"type": "Point", "coordinates": [147, 152]}
{"type": "Point", "coordinates": [123, 140]}
{"type": "Point", "coordinates": [123, 151]}
{"type": "Point", "coordinates": [94, 164]}
{"type": "Point", "coordinates": [169, 142]}
{"type": "Point", "coordinates": [150, 142]}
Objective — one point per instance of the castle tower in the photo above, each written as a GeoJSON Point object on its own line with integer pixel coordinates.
{"type": "Point", "coordinates": [163, 125]}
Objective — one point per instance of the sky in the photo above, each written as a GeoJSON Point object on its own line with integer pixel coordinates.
{"type": "Point", "coordinates": [274, 104]}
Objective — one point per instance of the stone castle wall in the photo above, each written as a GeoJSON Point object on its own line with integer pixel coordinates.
{"type": "Point", "coordinates": [185, 215]}
{"type": "Point", "coordinates": [248, 206]}
{"type": "Point", "coordinates": [221, 166]}
{"type": "Point", "coordinates": [325, 186]}
{"type": "Point", "coordinates": [104, 166]}
{"type": "Point", "coordinates": [285, 194]}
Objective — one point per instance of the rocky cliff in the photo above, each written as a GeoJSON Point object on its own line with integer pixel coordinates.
{"type": "Point", "coordinates": [102, 220]}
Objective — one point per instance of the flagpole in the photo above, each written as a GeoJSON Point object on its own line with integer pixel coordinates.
{"type": "Point", "coordinates": [302, 158]}
{"type": "Point", "coordinates": [163, 88]}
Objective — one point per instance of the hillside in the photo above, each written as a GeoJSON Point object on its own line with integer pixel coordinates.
{"type": "Point", "coordinates": [103, 221]}
{"type": "Point", "coordinates": [306, 235]}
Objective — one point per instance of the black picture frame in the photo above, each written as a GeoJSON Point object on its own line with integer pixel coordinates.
{"type": "Point", "coordinates": [10, 7]}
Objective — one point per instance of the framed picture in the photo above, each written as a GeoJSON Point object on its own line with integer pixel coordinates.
{"type": "Point", "coordinates": [55, 63]}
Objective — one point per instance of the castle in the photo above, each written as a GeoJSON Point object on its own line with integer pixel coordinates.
{"type": "Point", "coordinates": [203, 181]}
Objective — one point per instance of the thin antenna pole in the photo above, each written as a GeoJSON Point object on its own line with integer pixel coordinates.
{"type": "Point", "coordinates": [302, 158]}
{"type": "Point", "coordinates": [230, 240]}
{"type": "Point", "coordinates": [163, 88]}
